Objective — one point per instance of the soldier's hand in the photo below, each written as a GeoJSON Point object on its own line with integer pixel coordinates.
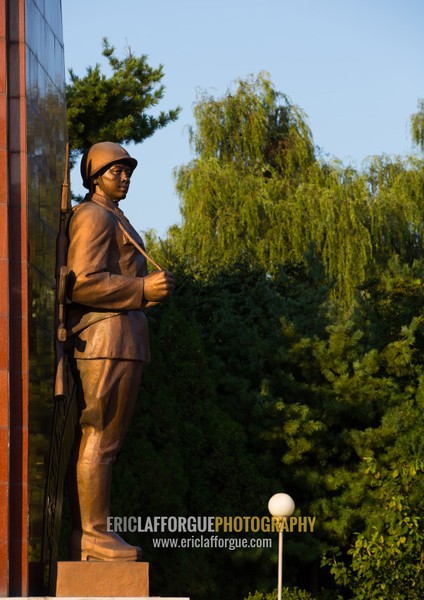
{"type": "Point", "coordinates": [158, 285]}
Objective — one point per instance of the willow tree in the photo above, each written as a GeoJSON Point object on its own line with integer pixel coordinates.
{"type": "Point", "coordinates": [417, 125]}
{"type": "Point", "coordinates": [256, 191]}
{"type": "Point", "coordinates": [248, 144]}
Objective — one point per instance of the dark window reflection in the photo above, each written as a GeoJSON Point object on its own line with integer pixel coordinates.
{"type": "Point", "coordinates": [46, 136]}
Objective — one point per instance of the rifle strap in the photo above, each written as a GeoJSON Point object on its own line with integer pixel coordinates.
{"type": "Point", "coordinates": [124, 225]}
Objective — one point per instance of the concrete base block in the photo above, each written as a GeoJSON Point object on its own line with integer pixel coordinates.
{"type": "Point", "coordinates": [100, 579]}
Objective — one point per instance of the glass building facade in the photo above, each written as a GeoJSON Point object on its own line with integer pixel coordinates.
{"type": "Point", "coordinates": [46, 139]}
{"type": "Point", "coordinates": [32, 154]}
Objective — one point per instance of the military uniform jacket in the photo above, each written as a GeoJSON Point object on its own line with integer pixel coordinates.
{"type": "Point", "coordinates": [105, 275]}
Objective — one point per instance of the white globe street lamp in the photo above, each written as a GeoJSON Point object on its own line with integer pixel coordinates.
{"type": "Point", "coordinates": [280, 506]}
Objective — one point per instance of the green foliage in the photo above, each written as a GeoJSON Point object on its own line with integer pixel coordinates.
{"type": "Point", "coordinates": [252, 124]}
{"type": "Point", "coordinates": [388, 560]}
{"type": "Point", "coordinates": [256, 192]}
{"type": "Point", "coordinates": [344, 401]}
{"type": "Point", "coordinates": [115, 108]}
{"type": "Point", "coordinates": [251, 144]}
{"type": "Point", "coordinates": [417, 125]}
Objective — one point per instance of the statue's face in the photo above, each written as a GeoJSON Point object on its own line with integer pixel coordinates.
{"type": "Point", "coordinates": [114, 182]}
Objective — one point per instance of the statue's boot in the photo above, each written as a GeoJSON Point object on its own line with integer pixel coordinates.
{"type": "Point", "coordinates": [94, 541]}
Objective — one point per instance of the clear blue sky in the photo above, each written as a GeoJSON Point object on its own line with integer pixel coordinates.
{"type": "Point", "coordinates": [356, 67]}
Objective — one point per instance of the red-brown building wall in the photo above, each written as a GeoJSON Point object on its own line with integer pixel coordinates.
{"type": "Point", "coordinates": [4, 314]}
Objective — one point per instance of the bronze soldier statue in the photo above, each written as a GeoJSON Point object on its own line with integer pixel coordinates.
{"type": "Point", "coordinates": [109, 286]}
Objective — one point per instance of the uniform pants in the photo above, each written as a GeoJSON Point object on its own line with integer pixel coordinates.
{"type": "Point", "coordinates": [107, 396]}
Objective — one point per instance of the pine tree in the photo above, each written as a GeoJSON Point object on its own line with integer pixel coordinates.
{"type": "Point", "coordinates": [115, 108]}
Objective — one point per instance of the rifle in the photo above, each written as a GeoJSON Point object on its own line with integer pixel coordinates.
{"type": "Point", "coordinates": [65, 412]}
{"type": "Point", "coordinates": [60, 385]}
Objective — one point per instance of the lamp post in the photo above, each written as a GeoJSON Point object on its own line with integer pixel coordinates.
{"type": "Point", "coordinates": [280, 506]}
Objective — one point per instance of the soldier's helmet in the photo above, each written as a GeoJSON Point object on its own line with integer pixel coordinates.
{"type": "Point", "coordinates": [103, 155]}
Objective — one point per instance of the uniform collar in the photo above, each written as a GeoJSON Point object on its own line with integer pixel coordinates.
{"type": "Point", "coordinates": [104, 201]}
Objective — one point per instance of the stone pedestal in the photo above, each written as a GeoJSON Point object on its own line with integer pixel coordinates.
{"type": "Point", "coordinates": [100, 579]}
